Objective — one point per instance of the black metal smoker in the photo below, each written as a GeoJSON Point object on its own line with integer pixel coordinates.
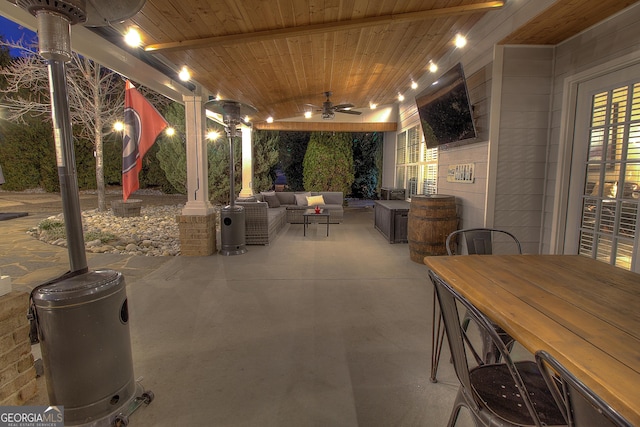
{"type": "Point", "coordinates": [82, 317]}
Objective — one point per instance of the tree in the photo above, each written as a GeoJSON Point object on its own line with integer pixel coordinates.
{"type": "Point", "coordinates": [96, 98]}
{"type": "Point", "coordinates": [265, 159]}
{"type": "Point", "coordinates": [367, 159]}
{"type": "Point", "coordinates": [172, 152]}
{"type": "Point", "coordinates": [28, 156]}
{"type": "Point", "coordinates": [292, 147]}
{"type": "Point", "coordinates": [328, 162]}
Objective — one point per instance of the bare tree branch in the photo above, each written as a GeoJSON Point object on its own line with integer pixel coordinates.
{"type": "Point", "coordinates": [96, 97]}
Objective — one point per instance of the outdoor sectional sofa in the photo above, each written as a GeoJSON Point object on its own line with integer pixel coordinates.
{"type": "Point", "coordinates": [270, 211]}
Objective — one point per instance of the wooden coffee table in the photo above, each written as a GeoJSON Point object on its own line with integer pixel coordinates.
{"type": "Point", "coordinates": [311, 213]}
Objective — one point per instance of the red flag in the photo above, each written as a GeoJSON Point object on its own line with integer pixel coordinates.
{"type": "Point", "coordinates": [142, 125]}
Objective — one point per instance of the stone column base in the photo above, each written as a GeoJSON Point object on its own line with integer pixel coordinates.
{"type": "Point", "coordinates": [197, 234]}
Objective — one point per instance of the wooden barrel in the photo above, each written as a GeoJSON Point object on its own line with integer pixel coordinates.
{"type": "Point", "coordinates": [431, 219]}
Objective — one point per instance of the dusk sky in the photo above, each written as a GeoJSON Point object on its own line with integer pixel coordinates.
{"type": "Point", "coordinates": [12, 31]}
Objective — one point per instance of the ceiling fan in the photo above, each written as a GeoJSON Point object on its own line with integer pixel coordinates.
{"type": "Point", "coordinates": [328, 110]}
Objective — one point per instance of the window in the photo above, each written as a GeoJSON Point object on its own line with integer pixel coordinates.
{"type": "Point", "coordinates": [416, 166]}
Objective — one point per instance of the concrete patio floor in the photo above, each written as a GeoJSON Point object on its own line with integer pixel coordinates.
{"type": "Point", "coordinates": [308, 331]}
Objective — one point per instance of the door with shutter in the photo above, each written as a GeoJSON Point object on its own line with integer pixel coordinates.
{"type": "Point", "coordinates": [602, 220]}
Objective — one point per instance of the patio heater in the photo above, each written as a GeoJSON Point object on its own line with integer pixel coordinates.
{"type": "Point", "coordinates": [232, 217]}
{"type": "Point", "coordinates": [81, 316]}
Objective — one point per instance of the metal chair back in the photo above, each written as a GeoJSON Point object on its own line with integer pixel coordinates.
{"type": "Point", "coordinates": [478, 241]}
{"type": "Point", "coordinates": [580, 406]}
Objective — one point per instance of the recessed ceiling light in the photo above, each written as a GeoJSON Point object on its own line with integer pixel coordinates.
{"type": "Point", "coordinates": [414, 85]}
{"type": "Point", "coordinates": [307, 114]}
{"type": "Point", "coordinates": [400, 97]}
{"type": "Point", "coordinates": [432, 67]}
{"type": "Point", "coordinates": [373, 105]}
{"type": "Point", "coordinates": [269, 119]}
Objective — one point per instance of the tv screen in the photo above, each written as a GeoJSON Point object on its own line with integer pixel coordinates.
{"type": "Point", "coordinates": [445, 110]}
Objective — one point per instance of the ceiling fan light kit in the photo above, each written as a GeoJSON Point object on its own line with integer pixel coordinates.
{"type": "Point", "coordinates": [328, 109]}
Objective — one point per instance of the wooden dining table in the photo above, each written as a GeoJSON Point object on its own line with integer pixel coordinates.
{"type": "Point", "coordinates": [583, 312]}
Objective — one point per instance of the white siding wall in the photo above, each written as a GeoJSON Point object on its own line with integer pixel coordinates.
{"type": "Point", "coordinates": [599, 45]}
{"type": "Point", "coordinates": [521, 141]}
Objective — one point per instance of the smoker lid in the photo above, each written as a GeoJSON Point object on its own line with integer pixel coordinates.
{"type": "Point", "coordinates": [88, 286]}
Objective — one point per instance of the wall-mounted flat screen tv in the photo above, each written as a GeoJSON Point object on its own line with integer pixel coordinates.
{"type": "Point", "coordinates": [445, 111]}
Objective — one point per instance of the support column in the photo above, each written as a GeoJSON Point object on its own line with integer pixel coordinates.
{"type": "Point", "coordinates": [197, 223]}
{"type": "Point", "coordinates": [197, 162]}
{"type": "Point", "coordinates": [247, 163]}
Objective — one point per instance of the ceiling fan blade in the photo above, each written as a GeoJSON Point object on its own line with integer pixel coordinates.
{"type": "Point", "coordinates": [356, 113]}
{"type": "Point", "coordinates": [342, 106]}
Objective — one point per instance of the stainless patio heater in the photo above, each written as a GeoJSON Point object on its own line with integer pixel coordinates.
{"type": "Point", "coordinates": [82, 316]}
{"type": "Point", "coordinates": [232, 216]}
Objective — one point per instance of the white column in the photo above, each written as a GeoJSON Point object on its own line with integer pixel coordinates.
{"type": "Point", "coordinates": [197, 162]}
{"type": "Point", "coordinates": [247, 163]}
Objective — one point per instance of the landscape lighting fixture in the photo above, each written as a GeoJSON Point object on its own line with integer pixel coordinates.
{"type": "Point", "coordinates": [170, 131]}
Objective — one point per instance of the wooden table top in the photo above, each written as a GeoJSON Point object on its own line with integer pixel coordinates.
{"type": "Point", "coordinates": [583, 312]}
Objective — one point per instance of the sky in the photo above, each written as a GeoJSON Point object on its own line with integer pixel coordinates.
{"type": "Point", "coordinates": [12, 31]}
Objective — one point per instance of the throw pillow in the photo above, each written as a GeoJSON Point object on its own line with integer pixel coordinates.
{"type": "Point", "coordinates": [268, 193]}
{"type": "Point", "coordinates": [301, 198]}
{"type": "Point", "coordinates": [272, 200]}
{"type": "Point", "coordinates": [315, 200]}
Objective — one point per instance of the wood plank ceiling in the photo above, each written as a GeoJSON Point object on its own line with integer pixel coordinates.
{"type": "Point", "coordinates": [280, 55]}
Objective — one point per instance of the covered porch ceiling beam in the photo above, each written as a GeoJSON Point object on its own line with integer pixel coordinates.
{"type": "Point", "coordinates": [325, 27]}
{"type": "Point", "coordinates": [328, 126]}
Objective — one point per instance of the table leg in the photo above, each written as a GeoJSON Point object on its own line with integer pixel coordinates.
{"type": "Point", "coordinates": [327, 225]}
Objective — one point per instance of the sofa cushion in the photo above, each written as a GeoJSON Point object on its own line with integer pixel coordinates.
{"type": "Point", "coordinates": [272, 200]}
{"type": "Point", "coordinates": [315, 200]}
{"type": "Point", "coordinates": [333, 197]}
{"type": "Point", "coordinates": [286, 197]}
{"type": "Point", "coordinates": [301, 198]}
